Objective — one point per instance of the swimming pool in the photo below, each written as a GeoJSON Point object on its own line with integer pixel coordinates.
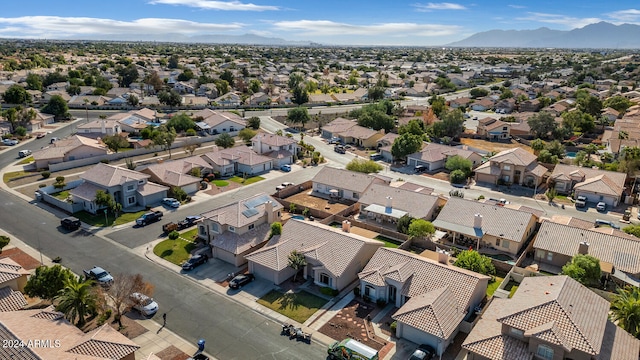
{"type": "Point", "coordinates": [298, 217]}
{"type": "Point", "coordinates": [570, 154]}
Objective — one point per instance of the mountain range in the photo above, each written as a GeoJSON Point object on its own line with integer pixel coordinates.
{"type": "Point", "coordinates": [602, 35]}
{"type": "Point", "coordinates": [246, 39]}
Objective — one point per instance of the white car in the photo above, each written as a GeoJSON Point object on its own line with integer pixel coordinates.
{"type": "Point", "coordinates": [10, 142]}
{"type": "Point", "coordinates": [601, 206]}
{"type": "Point", "coordinates": [171, 202]}
{"type": "Point", "coordinates": [144, 304]}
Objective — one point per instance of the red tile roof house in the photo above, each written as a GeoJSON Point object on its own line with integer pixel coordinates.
{"type": "Point", "coordinates": [51, 337]}
{"type": "Point", "coordinates": [218, 122]}
{"type": "Point", "coordinates": [555, 245]}
{"type": "Point", "coordinates": [486, 225]}
{"type": "Point", "coordinates": [237, 160]}
{"type": "Point", "coordinates": [433, 297]}
{"type": "Point", "coordinates": [240, 228]}
{"type": "Point", "coordinates": [434, 156]}
{"type": "Point", "coordinates": [513, 166]}
{"type": "Point", "coordinates": [597, 185]}
{"type": "Point", "coordinates": [73, 148]}
{"type": "Point", "coordinates": [351, 133]}
{"type": "Point", "coordinates": [178, 173]}
{"type": "Point", "coordinates": [334, 257]}
{"type": "Point", "coordinates": [280, 149]}
{"type": "Point", "coordinates": [342, 184]}
{"type": "Point", "coordinates": [549, 317]}
{"type": "Point", "coordinates": [385, 204]}
{"type": "Point", "coordinates": [127, 187]}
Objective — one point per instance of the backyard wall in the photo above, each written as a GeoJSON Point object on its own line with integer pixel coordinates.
{"type": "Point", "coordinates": [62, 204]}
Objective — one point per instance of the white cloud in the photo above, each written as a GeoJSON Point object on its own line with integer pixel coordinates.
{"type": "Point", "coordinates": [217, 5]}
{"type": "Point", "coordinates": [517, 6]}
{"type": "Point", "coordinates": [439, 6]}
{"type": "Point", "coordinates": [566, 21]}
{"type": "Point", "coordinates": [629, 15]}
{"type": "Point", "coordinates": [54, 26]}
{"type": "Point", "coordinates": [331, 28]}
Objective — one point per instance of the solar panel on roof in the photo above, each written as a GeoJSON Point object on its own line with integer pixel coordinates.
{"type": "Point", "coordinates": [257, 201]}
{"type": "Point", "coordinates": [250, 212]}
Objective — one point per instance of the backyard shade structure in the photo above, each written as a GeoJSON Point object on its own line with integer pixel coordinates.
{"type": "Point", "coordinates": [334, 192]}
{"type": "Point", "coordinates": [386, 211]}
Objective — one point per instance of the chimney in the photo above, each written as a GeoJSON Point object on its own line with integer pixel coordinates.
{"type": "Point", "coordinates": [389, 205]}
{"type": "Point", "coordinates": [583, 248]}
{"type": "Point", "coordinates": [259, 149]}
{"type": "Point", "coordinates": [443, 256]}
{"type": "Point", "coordinates": [346, 226]}
{"type": "Point", "coordinates": [268, 208]}
{"type": "Point", "coordinates": [477, 221]}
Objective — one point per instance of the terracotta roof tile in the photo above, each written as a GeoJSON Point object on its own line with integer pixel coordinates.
{"type": "Point", "coordinates": [343, 179]}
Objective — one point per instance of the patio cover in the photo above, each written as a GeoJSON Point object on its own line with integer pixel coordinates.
{"type": "Point", "coordinates": [378, 209]}
{"type": "Point", "coordinates": [460, 229]}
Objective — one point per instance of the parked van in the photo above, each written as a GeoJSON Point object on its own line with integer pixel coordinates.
{"type": "Point", "coordinates": [349, 349]}
{"type": "Point", "coordinates": [24, 153]}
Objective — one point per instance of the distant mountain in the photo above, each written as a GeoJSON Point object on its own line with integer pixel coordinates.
{"type": "Point", "coordinates": [602, 35]}
{"type": "Point", "coordinates": [246, 39]}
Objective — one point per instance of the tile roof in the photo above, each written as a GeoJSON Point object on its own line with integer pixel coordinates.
{"type": "Point", "coordinates": [214, 118]}
{"type": "Point", "coordinates": [85, 191]}
{"type": "Point", "coordinates": [239, 243]}
{"type": "Point", "coordinates": [11, 300]}
{"type": "Point", "coordinates": [600, 184]}
{"type": "Point", "coordinates": [61, 147]}
{"type": "Point", "coordinates": [273, 139]}
{"type": "Point", "coordinates": [426, 275]}
{"type": "Point", "coordinates": [11, 270]}
{"type": "Point", "coordinates": [150, 188]}
{"type": "Point", "coordinates": [331, 247]}
{"type": "Point", "coordinates": [622, 252]}
{"type": "Point", "coordinates": [458, 215]}
{"type": "Point", "coordinates": [417, 204]}
{"type": "Point", "coordinates": [516, 156]}
{"type": "Point", "coordinates": [238, 154]}
{"type": "Point", "coordinates": [104, 341]}
{"type": "Point", "coordinates": [436, 312]}
{"type": "Point", "coordinates": [109, 175]}
{"type": "Point", "coordinates": [413, 187]}
{"type": "Point", "coordinates": [343, 179]}
{"type": "Point", "coordinates": [176, 172]}
{"type": "Point", "coordinates": [339, 125]}
{"type": "Point", "coordinates": [614, 180]}
{"type": "Point", "coordinates": [235, 214]}
{"type": "Point", "coordinates": [436, 152]}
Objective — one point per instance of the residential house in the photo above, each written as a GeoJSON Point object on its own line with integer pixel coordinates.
{"type": "Point", "coordinates": [218, 122]}
{"type": "Point", "coordinates": [350, 132]}
{"type": "Point", "coordinates": [486, 225]}
{"type": "Point", "coordinates": [555, 245]}
{"type": "Point", "coordinates": [239, 159]}
{"type": "Point", "coordinates": [432, 297]}
{"type": "Point", "coordinates": [337, 126]}
{"type": "Point", "coordinates": [11, 300]}
{"type": "Point", "coordinates": [434, 156]}
{"type": "Point", "coordinates": [183, 87]}
{"type": "Point", "coordinates": [493, 129]}
{"type": "Point", "coordinates": [55, 338]}
{"type": "Point", "coordinates": [530, 105]}
{"type": "Point", "coordinates": [595, 184]}
{"type": "Point", "coordinates": [46, 96]}
{"type": "Point", "coordinates": [483, 104]}
{"type": "Point", "coordinates": [40, 120]}
{"type": "Point", "coordinates": [59, 86]}
{"type": "Point", "coordinates": [512, 166]}
{"type": "Point", "coordinates": [136, 120]}
{"type": "Point", "coordinates": [240, 228]}
{"type": "Point", "coordinates": [549, 317]}
{"type": "Point", "coordinates": [259, 98]}
{"type": "Point", "coordinates": [197, 101]}
{"type": "Point", "coordinates": [384, 146]}
{"type": "Point", "coordinates": [386, 204]}
{"type": "Point", "coordinates": [85, 100]}
{"type": "Point", "coordinates": [459, 102]}
{"type": "Point", "coordinates": [334, 256]}
{"type": "Point", "coordinates": [178, 173]}
{"type": "Point", "coordinates": [281, 149]}
{"type": "Point", "coordinates": [611, 114]}
{"type": "Point", "coordinates": [342, 184]}
{"type": "Point", "coordinates": [73, 148]}
{"type": "Point", "coordinates": [506, 106]}
{"type": "Point", "coordinates": [100, 126]}
{"type": "Point", "coordinates": [12, 275]}
{"type": "Point", "coordinates": [228, 100]}
{"type": "Point", "coordinates": [127, 187]}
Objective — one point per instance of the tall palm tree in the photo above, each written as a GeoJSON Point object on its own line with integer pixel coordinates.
{"type": "Point", "coordinates": [625, 309]}
{"type": "Point", "coordinates": [77, 300]}
{"type": "Point", "coordinates": [296, 261]}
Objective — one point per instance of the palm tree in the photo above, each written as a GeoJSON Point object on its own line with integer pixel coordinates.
{"type": "Point", "coordinates": [625, 309]}
{"type": "Point", "coordinates": [296, 261]}
{"type": "Point", "coordinates": [77, 300]}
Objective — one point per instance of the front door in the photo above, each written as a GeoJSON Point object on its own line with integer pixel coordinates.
{"type": "Point", "coordinates": [392, 294]}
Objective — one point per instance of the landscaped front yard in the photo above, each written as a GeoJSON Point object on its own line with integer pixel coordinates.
{"type": "Point", "coordinates": [247, 181]}
{"type": "Point", "coordinates": [296, 306]}
{"type": "Point", "coordinates": [99, 220]}
{"type": "Point", "coordinates": [176, 251]}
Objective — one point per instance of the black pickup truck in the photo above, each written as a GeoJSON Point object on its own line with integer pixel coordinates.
{"type": "Point", "coordinates": [70, 223]}
{"type": "Point", "coordinates": [149, 217]}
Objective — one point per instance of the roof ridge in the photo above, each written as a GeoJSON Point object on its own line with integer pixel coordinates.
{"type": "Point", "coordinates": [575, 326]}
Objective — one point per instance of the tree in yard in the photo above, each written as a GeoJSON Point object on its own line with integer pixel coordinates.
{"type": "Point", "coordinates": [178, 193]}
{"type": "Point", "coordinates": [633, 230]}
{"type": "Point", "coordinates": [364, 166]}
{"type": "Point", "coordinates": [590, 105]}
{"type": "Point", "coordinates": [170, 98]}
{"type": "Point", "coordinates": [618, 102]}
{"type": "Point", "coordinates": [164, 137]}
{"type": "Point", "coordinates": [459, 163]}
{"type": "Point", "coordinates": [405, 144]}
{"type": "Point", "coordinates": [254, 122]}
{"type": "Point", "coordinates": [415, 126]}
{"type": "Point", "coordinates": [478, 92]}
{"type": "Point", "coordinates": [34, 82]}
{"type": "Point", "coordinates": [133, 100]}
{"type": "Point", "coordinates": [173, 61]}
{"type": "Point", "coordinates": [585, 269]}
{"type": "Point", "coordinates": [154, 80]}
{"type": "Point", "coordinates": [546, 157]}
{"type": "Point", "coordinates": [102, 199]}
{"type": "Point", "coordinates": [47, 282]}
{"type": "Point", "coordinates": [296, 261]}
{"type": "Point", "coordinates": [120, 292]}
{"type": "Point", "coordinates": [420, 228]}
{"type": "Point", "coordinates": [247, 134]}
{"type": "Point", "coordinates": [376, 93]}
{"type": "Point", "coordinates": [77, 299]}
{"type": "Point", "coordinates": [551, 194]}
{"type": "Point", "coordinates": [452, 124]}
{"type": "Point", "coordinates": [458, 176]}
{"type": "Point", "coordinates": [181, 123]}
{"type": "Point", "coordinates": [555, 148]}
{"type": "Point", "coordinates": [299, 95]}
{"type": "Point", "coordinates": [537, 145]}
{"type": "Point", "coordinates": [57, 106]}
{"type": "Point", "coordinates": [276, 229]}
{"type": "Point", "coordinates": [376, 119]}
{"type": "Point", "coordinates": [474, 261]}
{"type": "Point", "coordinates": [438, 104]}
{"type": "Point", "coordinates": [298, 115]}
{"type": "Point", "coordinates": [4, 241]}
{"type": "Point", "coordinates": [403, 224]}
{"type": "Point", "coordinates": [128, 75]}
{"type": "Point", "coordinates": [225, 141]}
{"type": "Point", "coordinates": [542, 124]}
{"type": "Point", "coordinates": [625, 310]}
{"type": "Point", "coordinates": [115, 142]}
{"type": "Point", "coordinates": [16, 94]}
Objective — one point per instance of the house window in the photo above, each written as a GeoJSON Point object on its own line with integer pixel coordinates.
{"type": "Point", "coordinates": [140, 182]}
{"type": "Point", "coordinates": [504, 128]}
{"type": "Point", "coordinates": [517, 333]}
{"type": "Point", "coordinates": [215, 227]}
{"type": "Point", "coordinates": [232, 229]}
{"type": "Point", "coordinates": [369, 290]}
{"type": "Point", "coordinates": [131, 187]}
{"type": "Point", "coordinates": [325, 279]}
{"type": "Point", "coordinates": [549, 256]}
{"type": "Point", "coordinates": [356, 195]}
{"type": "Point", "coordinates": [251, 226]}
{"type": "Point", "coordinates": [507, 167]}
{"type": "Point", "coordinates": [505, 244]}
{"type": "Point", "coordinates": [545, 352]}
{"type": "Point", "coordinates": [497, 242]}
{"type": "Point", "coordinates": [224, 130]}
{"type": "Point", "coordinates": [131, 200]}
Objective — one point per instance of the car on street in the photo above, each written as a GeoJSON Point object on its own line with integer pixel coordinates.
{"type": "Point", "coordinates": [423, 352]}
{"type": "Point", "coordinates": [581, 201]}
{"type": "Point", "coordinates": [600, 222]}
{"type": "Point", "coordinates": [241, 280]}
{"type": "Point", "coordinates": [285, 168]}
{"type": "Point", "coordinates": [24, 153]}
{"type": "Point", "coordinates": [189, 221]}
{"type": "Point", "coordinates": [601, 206]}
{"type": "Point", "coordinates": [171, 202]}
{"type": "Point", "coordinates": [194, 262]}
{"type": "Point", "coordinates": [375, 157]}
{"type": "Point", "coordinates": [144, 304]}
{"type": "Point", "coordinates": [10, 142]}
{"type": "Point", "coordinates": [100, 275]}
{"type": "Point", "coordinates": [40, 135]}
{"type": "Point", "coordinates": [334, 140]}
{"type": "Point", "coordinates": [339, 149]}
{"type": "Point", "coordinates": [70, 223]}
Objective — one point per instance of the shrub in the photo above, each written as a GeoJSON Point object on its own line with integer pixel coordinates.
{"type": "Point", "coordinates": [191, 132]}
{"type": "Point", "coordinates": [457, 176]}
{"type": "Point", "coordinates": [45, 174]}
{"type": "Point", "coordinates": [4, 241]}
{"type": "Point", "coordinates": [42, 185]}
{"type": "Point", "coordinates": [329, 291]}
{"type": "Point", "coordinates": [104, 317]}
{"type": "Point", "coordinates": [481, 197]}
{"type": "Point", "coordinates": [174, 235]}
{"type": "Point", "coordinates": [393, 327]}
{"type": "Point", "coordinates": [59, 179]}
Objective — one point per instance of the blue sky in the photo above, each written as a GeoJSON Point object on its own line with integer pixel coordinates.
{"type": "Point", "coordinates": [347, 22]}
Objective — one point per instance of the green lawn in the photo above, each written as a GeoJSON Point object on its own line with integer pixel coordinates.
{"type": "Point", "coordinates": [389, 243]}
{"type": "Point", "coordinates": [99, 219]}
{"type": "Point", "coordinates": [175, 251]}
{"type": "Point", "coordinates": [62, 195]}
{"type": "Point", "coordinates": [13, 174]}
{"type": "Point", "coordinates": [494, 286]}
{"type": "Point", "coordinates": [25, 160]}
{"type": "Point", "coordinates": [220, 183]}
{"type": "Point", "coordinates": [296, 306]}
{"type": "Point", "coordinates": [247, 181]}
{"type": "Point", "coordinates": [511, 287]}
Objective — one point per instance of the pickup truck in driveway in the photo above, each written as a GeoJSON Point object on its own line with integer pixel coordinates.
{"type": "Point", "coordinates": [149, 217]}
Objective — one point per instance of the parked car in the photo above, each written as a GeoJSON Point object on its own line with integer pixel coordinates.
{"type": "Point", "coordinates": [144, 304]}
{"type": "Point", "coordinates": [100, 275]}
{"type": "Point", "coordinates": [285, 168]}
{"type": "Point", "coordinates": [171, 202]}
{"type": "Point", "coordinates": [241, 280]}
{"type": "Point", "coordinates": [149, 217]}
{"type": "Point", "coordinates": [600, 222]}
{"type": "Point", "coordinates": [581, 201]}
{"type": "Point", "coordinates": [420, 168]}
{"type": "Point", "coordinates": [375, 157]}
{"type": "Point", "coordinates": [40, 135]}
{"type": "Point", "coordinates": [24, 153]}
{"type": "Point", "coordinates": [287, 184]}
{"type": "Point", "coordinates": [339, 149]}
{"type": "Point", "coordinates": [10, 142]}
{"type": "Point", "coordinates": [423, 352]}
{"type": "Point", "coordinates": [70, 223]}
{"type": "Point", "coordinates": [189, 221]}
{"type": "Point", "coordinates": [53, 139]}
{"type": "Point", "coordinates": [194, 262]}
{"type": "Point", "coordinates": [601, 206]}
{"type": "Point", "coordinates": [334, 140]}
